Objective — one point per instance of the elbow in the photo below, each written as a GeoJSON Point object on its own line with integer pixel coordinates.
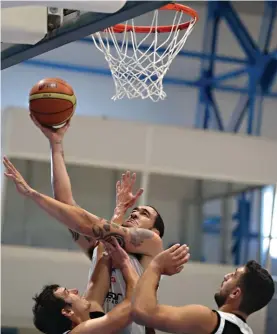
{"type": "Point", "coordinates": [140, 314]}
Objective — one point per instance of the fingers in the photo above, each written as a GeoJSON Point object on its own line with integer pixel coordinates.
{"type": "Point", "coordinates": [179, 269]}
{"type": "Point", "coordinates": [174, 248]}
{"type": "Point", "coordinates": [127, 181]}
{"type": "Point", "coordinates": [10, 167]}
{"type": "Point", "coordinates": [139, 193]}
{"type": "Point", "coordinates": [118, 187]}
{"type": "Point", "coordinates": [115, 243]}
{"type": "Point", "coordinates": [182, 259]}
{"type": "Point", "coordinates": [109, 247]}
{"type": "Point", "coordinates": [133, 180]}
{"type": "Point", "coordinates": [10, 176]}
{"type": "Point", "coordinates": [180, 250]}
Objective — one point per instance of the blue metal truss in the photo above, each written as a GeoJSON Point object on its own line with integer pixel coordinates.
{"type": "Point", "coordinates": [261, 67]}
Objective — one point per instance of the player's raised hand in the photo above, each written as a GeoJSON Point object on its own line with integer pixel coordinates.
{"type": "Point", "coordinates": [124, 191]}
{"type": "Point", "coordinates": [13, 174]}
{"type": "Point", "coordinates": [172, 260]}
{"type": "Point", "coordinates": [54, 135]}
{"type": "Point", "coordinates": [117, 254]}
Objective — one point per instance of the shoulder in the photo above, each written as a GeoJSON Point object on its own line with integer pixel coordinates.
{"type": "Point", "coordinates": [204, 319]}
{"type": "Point", "coordinates": [231, 321]}
{"type": "Point", "coordinates": [96, 325]}
{"type": "Point", "coordinates": [140, 235]}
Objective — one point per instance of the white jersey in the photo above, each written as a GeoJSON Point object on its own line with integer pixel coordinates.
{"type": "Point", "coordinates": [117, 291]}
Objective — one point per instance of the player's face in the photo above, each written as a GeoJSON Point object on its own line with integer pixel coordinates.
{"type": "Point", "coordinates": [71, 296]}
{"type": "Point", "coordinates": [228, 286]}
{"type": "Point", "coordinates": [142, 216]}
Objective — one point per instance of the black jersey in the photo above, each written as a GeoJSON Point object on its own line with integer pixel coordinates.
{"type": "Point", "coordinates": [229, 323]}
{"type": "Point", "coordinates": [92, 315]}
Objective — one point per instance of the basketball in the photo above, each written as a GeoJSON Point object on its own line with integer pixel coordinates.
{"type": "Point", "coordinates": [52, 102]}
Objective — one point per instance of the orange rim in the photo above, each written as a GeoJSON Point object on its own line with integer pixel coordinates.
{"type": "Point", "coordinates": [119, 28]}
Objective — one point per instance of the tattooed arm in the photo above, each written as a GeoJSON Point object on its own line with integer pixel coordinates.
{"type": "Point", "coordinates": [134, 240]}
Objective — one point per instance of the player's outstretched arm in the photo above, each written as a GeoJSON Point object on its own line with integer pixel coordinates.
{"type": "Point", "coordinates": [61, 184]}
{"type": "Point", "coordinates": [120, 316]}
{"type": "Point", "coordinates": [134, 240]}
{"type": "Point", "coordinates": [146, 310]}
{"type": "Point", "coordinates": [99, 283]}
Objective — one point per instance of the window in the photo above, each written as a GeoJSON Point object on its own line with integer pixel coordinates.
{"type": "Point", "coordinates": [267, 203]}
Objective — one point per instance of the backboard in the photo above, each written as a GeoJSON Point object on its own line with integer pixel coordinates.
{"type": "Point", "coordinates": [74, 27]}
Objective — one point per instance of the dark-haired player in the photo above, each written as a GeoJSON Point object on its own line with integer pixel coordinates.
{"type": "Point", "coordinates": [59, 310]}
{"type": "Point", "coordinates": [243, 292]}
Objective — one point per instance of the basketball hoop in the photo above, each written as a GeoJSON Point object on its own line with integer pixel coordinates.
{"type": "Point", "coordinates": [139, 56]}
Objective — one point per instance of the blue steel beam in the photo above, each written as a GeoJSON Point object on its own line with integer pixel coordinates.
{"type": "Point", "coordinates": [182, 53]}
{"type": "Point", "coordinates": [203, 116]}
{"type": "Point", "coordinates": [230, 75]}
{"type": "Point", "coordinates": [106, 72]}
{"type": "Point", "coordinates": [87, 24]}
{"type": "Point", "coordinates": [214, 107]}
{"type": "Point", "coordinates": [238, 114]}
{"type": "Point", "coordinates": [239, 30]}
{"type": "Point", "coordinates": [261, 74]}
{"type": "Point", "coordinates": [267, 25]}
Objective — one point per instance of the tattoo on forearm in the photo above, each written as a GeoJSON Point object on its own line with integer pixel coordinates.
{"type": "Point", "coordinates": [115, 225]}
{"type": "Point", "coordinates": [107, 227]}
{"type": "Point", "coordinates": [139, 236]}
{"type": "Point", "coordinates": [75, 235]}
{"type": "Point", "coordinates": [61, 151]}
{"type": "Point", "coordinates": [104, 234]}
{"type": "Point", "coordinates": [97, 232]}
{"type": "Point", "coordinates": [87, 238]}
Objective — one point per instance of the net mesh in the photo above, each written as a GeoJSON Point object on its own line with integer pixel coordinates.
{"type": "Point", "coordinates": [139, 62]}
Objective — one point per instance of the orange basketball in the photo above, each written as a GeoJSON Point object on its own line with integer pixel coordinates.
{"type": "Point", "coordinates": [52, 102]}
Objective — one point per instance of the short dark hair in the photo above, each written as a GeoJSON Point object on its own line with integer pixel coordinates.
{"type": "Point", "coordinates": [159, 223]}
{"type": "Point", "coordinates": [47, 311]}
{"type": "Point", "coordinates": [257, 288]}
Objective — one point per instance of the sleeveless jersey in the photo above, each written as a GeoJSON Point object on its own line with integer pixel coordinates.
{"type": "Point", "coordinates": [229, 323]}
{"type": "Point", "coordinates": [117, 291]}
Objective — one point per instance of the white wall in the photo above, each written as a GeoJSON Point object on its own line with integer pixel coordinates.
{"type": "Point", "coordinates": [94, 92]}
{"type": "Point", "coordinates": [36, 267]}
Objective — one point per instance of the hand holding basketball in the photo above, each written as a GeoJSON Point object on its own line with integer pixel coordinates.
{"type": "Point", "coordinates": [54, 135]}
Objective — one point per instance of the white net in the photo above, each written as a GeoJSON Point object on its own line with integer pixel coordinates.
{"type": "Point", "coordinates": [139, 62]}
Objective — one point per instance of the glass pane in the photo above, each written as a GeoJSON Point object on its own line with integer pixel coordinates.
{"type": "Point", "coordinates": [267, 202]}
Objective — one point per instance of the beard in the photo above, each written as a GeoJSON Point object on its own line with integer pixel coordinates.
{"type": "Point", "coordinates": [220, 299]}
